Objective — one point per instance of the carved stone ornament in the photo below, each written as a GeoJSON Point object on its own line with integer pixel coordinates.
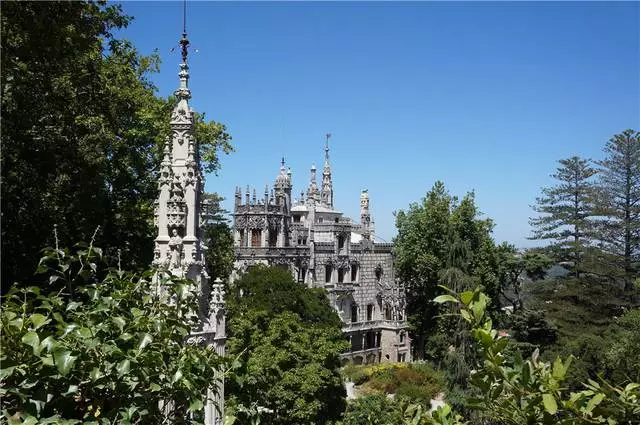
{"type": "Point", "coordinates": [241, 222]}
{"type": "Point", "coordinates": [256, 222]}
{"type": "Point", "coordinates": [181, 113]}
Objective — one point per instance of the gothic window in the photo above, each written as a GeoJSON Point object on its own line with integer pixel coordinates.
{"type": "Point", "coordinates": [327, 273]}
{"type": "Point", "coordinates": [341, 239]}
{"type": "Point", "coordinates": [354, 312]}
{"type": "Point", "coordinates": [401, 337]}
{"type": "Point", "coordinates": [354, 272]}
{"type": "Point", "coordinates": [341, 275]}
{"type": "Point", "coordinates": [256, 237]}
{"type": "Point", "coordinates": [302, 273]}
{"type": "Point", "coordinates": [273, 238]}
{"type": "Point", "coordinates": [387, 312]}
{"type": "Point", "coordinates": [241, 233]}
{"type": "Point", "coordinates": [296, 219]}
{"type": "Point", "coordinates": [402, 357]}
{"type": "Point", "coordinates": [378, 272]}
{"type": "Point", "coordinates": [319, 219]}
{"type": "Point", "coordinates": [369, 312]}
{"type": "Point", "coordinates": [337, 220]}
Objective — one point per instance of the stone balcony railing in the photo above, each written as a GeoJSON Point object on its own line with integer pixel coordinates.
{"type": "Point", "coordinates": [247, 252]}
{"type": "Point", "coordinates": [373, 324]}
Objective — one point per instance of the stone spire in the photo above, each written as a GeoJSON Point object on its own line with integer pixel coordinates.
{"type": "Point", "coordinates": [312, 190]}
{"type": "Point", "coordinates": [365, 215]}
{"type": "Point", "coordinates": [283, 186]}
{"type": "Point", "coordinates": [179, 249]}
{"type": "Point", "coordinates": [326, 193]}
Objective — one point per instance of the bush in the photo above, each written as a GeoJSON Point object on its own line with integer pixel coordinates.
{"type": "Point", "coordinates": [100, 344]}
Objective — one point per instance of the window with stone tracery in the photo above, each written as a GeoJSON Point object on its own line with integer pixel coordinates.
{"type": "Point", "coordinates": [256, 238]}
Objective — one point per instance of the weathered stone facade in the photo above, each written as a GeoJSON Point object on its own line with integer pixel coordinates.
{"type": "Point", "coordinates": [179, 249]}
{"type": "Point", "coordinates": [324, 249]}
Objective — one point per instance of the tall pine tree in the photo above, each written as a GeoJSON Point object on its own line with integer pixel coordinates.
{"type": "Point", "coordinates": [566, 210]}
{"type": "Point", "coordinates": [619, 186]}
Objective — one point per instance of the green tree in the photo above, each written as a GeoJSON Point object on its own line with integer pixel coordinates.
{"type": "Point", "coordinates": [440, 240]}
{"type": "Point", "coordinates": [288, 340]}
{"type": "Point", "coordinates": [100, 345]}
{"type": "Point", "coordinates": [623, 355]}
{"type": "Point", "coordinates": [566, 210]}
{"type": "Point", "coordinates": [619, 185]}
{"type": "Point", "coordinates": [218, 238]}
{"type": "Point", "coordinates": [82, 130]}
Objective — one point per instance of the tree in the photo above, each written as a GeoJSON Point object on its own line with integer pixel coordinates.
{"type": "Point", "coordinates": [82, 133]}
{"type": "Point", "coordinates": [101, 345]}
{"type": "Point", "coordinates": [218, 238]}
{"type": "Point", "coordinates": [567, 209]}
{"type": "Point", "coordinates": [440, 240]}
{"type": "Point", "coordinates": [619, 185]}
{"type": "Point", "coordinates": [288, 340]}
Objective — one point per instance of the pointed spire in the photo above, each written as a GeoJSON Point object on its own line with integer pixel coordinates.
{"type": "Point", "coordinates": [326, 192]}
{"type": "Point", "coordinates": [312, 190]}
{"type": "Point", "coordinates": [183, 91]}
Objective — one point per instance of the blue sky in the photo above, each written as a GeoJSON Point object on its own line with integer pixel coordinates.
{"type": "Point", "coordinates": [484, 96]}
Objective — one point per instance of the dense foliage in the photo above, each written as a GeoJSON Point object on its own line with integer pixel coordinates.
{"type": "Point", "coordinates": [288, 340]}
{"type": "Point", "coordinates": [82, 128]}
{"type": "Point", "coordinates": [439, 239]}
{"type": "Point", "coordinates": [99, 345]}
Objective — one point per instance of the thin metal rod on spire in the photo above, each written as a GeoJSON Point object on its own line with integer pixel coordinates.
{"type": "Point", "coordinates": [184, 17]}
{"type": "Point", "coordinates": [184, 42]}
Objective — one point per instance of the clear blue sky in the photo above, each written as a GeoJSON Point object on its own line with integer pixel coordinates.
{"type": "Point", "coordinates": [483, 96]}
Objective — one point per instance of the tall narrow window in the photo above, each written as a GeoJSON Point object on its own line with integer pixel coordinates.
{"type": "Point", "coordinates": [327, 273]}
{"type": "Point", "coordinates": [369, 312]}
{"type": "Point", "coordinates": [354, 272]}
{"type": "Point", "coordinates": [341, 275]}
{"type": "Point", "coordinates": [378, 272]}
{"type": "Point", "coordinates": [341, 244]}
{"type": "Point", "coordinates": [242, 243]}
{"type": "Point", "coordinates": [256, 238]}
{"type": "Point", "coordinates": [273, 238]}
{"type": "Point", "coordinates": [354, 312]}
{"type": "Point", "coordinates": [387, 312]}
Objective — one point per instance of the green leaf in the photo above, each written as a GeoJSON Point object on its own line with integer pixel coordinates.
{"type": "Point", "coordinates": [195, 405]}
{"type": "Point", "coordinates": [32, 339]}
{"type": "Point", "coordinates": [549, 403]}
{"type": "Point", "coordinates": [146, 340]}
{"type": "Point", "coordinates": [120, 322]}
{"type": "Point", "coordinates": [440, 299]}
{"type": "Point", "coordinates": [38, 320]}
{"type": "Point", "coordinates": [48, 343]}
{"type": "Point", "coordinates": [466, 297]}
{"type": "Point", "coordinates": [95, 374]}
{"type": "Point", "coordinates": [63, 360]}
{"type": "Point", "coordinates": [123, 367]}
{"type": "Point", "coordinates": [176, 376]}
{"type": "Point", "coordinates": [597, 399]}
{"type": "Point", "coordinates": [73, 305]}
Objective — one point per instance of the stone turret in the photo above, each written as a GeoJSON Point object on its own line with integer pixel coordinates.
{"type": "Point", "coordinates": [178, 245]}
{"type": "Point", "coordinates": [326, 192]}
{"type": "Point", "coordinates": [312, 190]}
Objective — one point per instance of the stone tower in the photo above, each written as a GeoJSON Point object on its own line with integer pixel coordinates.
{"type": "Point", "coordinates": [326, 193]}
{"type": "Point", "coordinates": [179, 249]}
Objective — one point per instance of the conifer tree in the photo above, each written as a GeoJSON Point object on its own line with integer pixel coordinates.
{"type": "Point", "coordinates": [566, 210]}
{"type": "Point", "coordinates": [619, 186]}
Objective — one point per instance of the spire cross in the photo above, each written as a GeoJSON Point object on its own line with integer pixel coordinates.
{"type": "Point", "coordinates": [326, 145]}
{"type": "Point", "coordinates": [184, 42]}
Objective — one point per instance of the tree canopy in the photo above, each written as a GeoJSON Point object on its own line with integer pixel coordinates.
{"type": "Point", "coordinates": [82, 129]}
{"type": "Point", "coordinates": [288, 340]}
